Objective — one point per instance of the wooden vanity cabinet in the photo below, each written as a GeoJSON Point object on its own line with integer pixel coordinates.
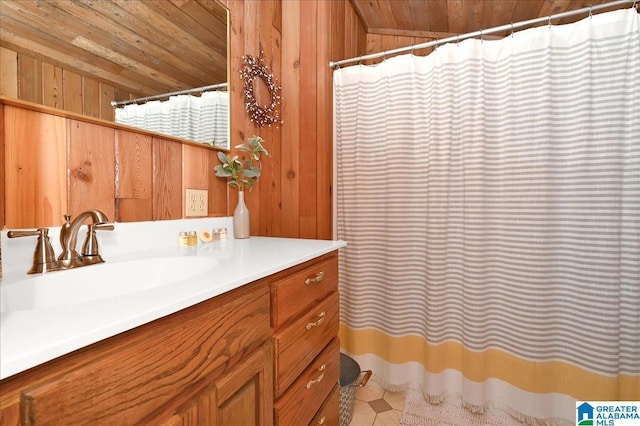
{"type": "Point", "coordinates": [210, 364]}
{"type": "Point", "coordinates": [220, 362]}
{"type": "Point", "coordinates": [305, 316]}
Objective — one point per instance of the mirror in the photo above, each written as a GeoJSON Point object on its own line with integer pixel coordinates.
{"type": "Point", "coordinates": [141, 48]}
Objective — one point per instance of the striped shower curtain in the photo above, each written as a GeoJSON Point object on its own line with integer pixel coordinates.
{"type": "Point", "coordinates": [490, 197]}
{"type": "Point", "coordinates": [202, 118]}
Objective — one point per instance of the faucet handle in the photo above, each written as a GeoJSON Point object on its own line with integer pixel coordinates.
{"type": "Point", "coordinates": [44, 259]}
{"type": "Point", "coordinates": [90, 245]}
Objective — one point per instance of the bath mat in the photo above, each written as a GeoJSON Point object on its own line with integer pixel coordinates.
{"type": "Point", "coordinates": [450, 412]}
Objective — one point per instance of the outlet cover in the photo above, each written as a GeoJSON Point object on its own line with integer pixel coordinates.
{"type": "Point", "coordinates": [197, 203]}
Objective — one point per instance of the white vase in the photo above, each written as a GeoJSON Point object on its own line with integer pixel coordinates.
{"type": "Point", "coordinates": [241, 218]}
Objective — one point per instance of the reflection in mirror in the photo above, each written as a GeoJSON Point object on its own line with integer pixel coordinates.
{"type": "Point", "coordinates": [199, 114]}
{"type": "Point", "coordinates": [132, 49]}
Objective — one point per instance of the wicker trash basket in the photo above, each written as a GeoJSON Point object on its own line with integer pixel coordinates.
{"type": "Point", "coordinates": [350, 378]}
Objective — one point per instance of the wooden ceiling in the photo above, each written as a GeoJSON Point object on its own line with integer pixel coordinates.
{"type": "Point", "coordinates": [446, 18]}
{"type": "Point", "coordinates": [144, 46]}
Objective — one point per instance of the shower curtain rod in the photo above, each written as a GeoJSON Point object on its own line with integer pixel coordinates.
{"type": "Point", "coordinates": [164, 95]}
{"type": "Point", "coordinates": [512, 26]}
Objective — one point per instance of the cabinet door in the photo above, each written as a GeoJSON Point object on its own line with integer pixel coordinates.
{"type": "Point", "coordinates": [242, 397]}
{"type": "Point", "coordinates": [153, 369]}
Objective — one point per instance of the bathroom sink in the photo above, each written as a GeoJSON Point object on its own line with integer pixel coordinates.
{"type": "Point", "coordinates": [98, 282]}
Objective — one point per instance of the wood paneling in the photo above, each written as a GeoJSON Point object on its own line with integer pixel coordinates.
{"type": "Point", "coordinates": [133, 165]}
{"type": "Point", "coordinates": [8, 73]}
{"type": "Point", "coordinates": [217, 189]}
{"type": "Point", "coordinates": [290, 154]}
{"type": "Point", "coordinates": [196, 176]}
{"type": "Point", "coordinates": [73, 98]}
{"type": "Point", "coordinates": [309, 94]}
{"type": "Point", "coordinates": [52, 86]}
{"type": "Point", "coordinates": [35, 174]}
{"type": "Point", "coordinates": [91, 98]}
{"type": "Point", "coordinates": [85, 164]}
{"type": "Point", "coordinates": [133, 210]}
{"type": "Point", "coordinates": [167, 179]}
{"type": "Point", "coordinates": [133, 177]}
{"type": "Point", "coordinates": [30, 79]}
{"type": "Point", "coordinates": [324, 133]}
{"type": "Point", "coordinates": [293, 197]}
{"type": "Point", "coordinates": [91, 166]}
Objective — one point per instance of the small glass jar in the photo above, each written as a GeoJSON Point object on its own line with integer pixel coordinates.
{"type": "Point", "coordinates": [183, 239]}
{"type": "Point", "coordinates": [192, 238]}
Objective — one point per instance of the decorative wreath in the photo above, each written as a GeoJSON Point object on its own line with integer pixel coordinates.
{"type": "Point", "coordinates": [261, 115]}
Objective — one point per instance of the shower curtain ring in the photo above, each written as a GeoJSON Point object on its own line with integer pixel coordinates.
{"type": "Point", "coordinates": [590, 11]}
{"type": "Point", "coordinates": [549, 21]}
{"type": "Point", "coordinates": [511, 29]}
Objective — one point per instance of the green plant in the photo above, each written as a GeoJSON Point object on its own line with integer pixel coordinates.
{"type": "Point", "coordinates": [246, 171]}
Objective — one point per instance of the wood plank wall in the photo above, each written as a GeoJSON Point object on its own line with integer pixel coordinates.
{"type": "Point", "coordinates": [58, 163]}
{"type": "Point", "coordinates": [298, 38]}
{"type": "Point", "coordinates": [30, 79]}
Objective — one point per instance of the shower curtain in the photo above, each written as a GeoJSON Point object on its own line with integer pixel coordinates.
{"type": "Point", "coordinates": [490, 197]}
{"type": "Point", "coordinates": [198, 118]}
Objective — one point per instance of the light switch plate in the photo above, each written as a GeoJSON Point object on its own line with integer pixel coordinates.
{"type": "Point", "coordinates": [197, 203]}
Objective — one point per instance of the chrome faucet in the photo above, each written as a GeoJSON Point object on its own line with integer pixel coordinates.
{"type": "Point", "coordinates": [70, 258]}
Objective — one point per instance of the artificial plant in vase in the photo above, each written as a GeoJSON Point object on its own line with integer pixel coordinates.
{"type": "Point", "coordinates": [242, 173]}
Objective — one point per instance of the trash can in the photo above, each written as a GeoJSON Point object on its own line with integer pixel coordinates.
{"type": "Point", "coordinates": [350, 378]}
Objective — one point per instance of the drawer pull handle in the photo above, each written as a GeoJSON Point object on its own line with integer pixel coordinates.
{"type": "Point", "coordinates": [321, 421]}
{"type": "Point", "coordinates": [318, 322]}
{"type": "Point", "coordinates": [319, 276]}
{"type": "Point", "coordinates": [320, 377]}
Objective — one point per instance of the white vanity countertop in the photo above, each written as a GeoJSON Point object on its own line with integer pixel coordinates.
{"type": "Point", "coordinates": [31, 337]}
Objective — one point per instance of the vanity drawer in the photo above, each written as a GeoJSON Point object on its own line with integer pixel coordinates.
{"type": "Point", "coordinates": [299, 405]}
{"type": "Point", "coordinates": [329, 414]}
{"type": "Point", "coordinates": [298, 344]}
{"type": "Point", "coordinates": [296, 292]}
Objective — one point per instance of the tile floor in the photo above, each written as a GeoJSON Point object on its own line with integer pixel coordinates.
{"type": "Point", "coordinates": [374, 406]}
